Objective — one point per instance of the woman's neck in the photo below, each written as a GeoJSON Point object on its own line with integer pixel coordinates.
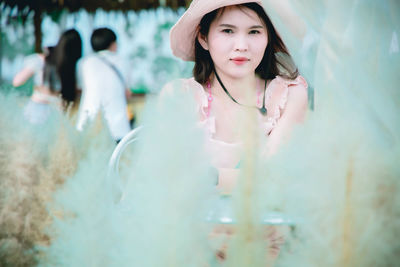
{"type": "Point", "coordinates": [242, 90]}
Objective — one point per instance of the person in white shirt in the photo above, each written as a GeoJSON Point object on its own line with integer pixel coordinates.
{"type": "Point", "coordinates": [103, 79]}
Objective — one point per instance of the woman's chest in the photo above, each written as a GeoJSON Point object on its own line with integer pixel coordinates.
{"type": "Point", "coordinates": [233, 122]}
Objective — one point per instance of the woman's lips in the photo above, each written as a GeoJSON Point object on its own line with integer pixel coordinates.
{"type": "Point", "coordinates": [240, 60]}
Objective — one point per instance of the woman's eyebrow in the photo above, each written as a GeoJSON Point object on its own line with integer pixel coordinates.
{"type": "Point", "coordinates": [227, 25]}
{"type": "Point", "coordinates": [233, 26]}
{"type": "Point", "coordinates": [256, 27]}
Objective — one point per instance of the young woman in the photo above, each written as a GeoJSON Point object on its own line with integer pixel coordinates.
{"type": "Point", "coordinates": [54, 75]}
{"type": "Point", "coordinates": [241, 64]}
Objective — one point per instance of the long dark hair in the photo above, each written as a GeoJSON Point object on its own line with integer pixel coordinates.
{"type": "Point", "coordinates": [62, 59]}
{"type": "Point", "coordinates": [276, 60]}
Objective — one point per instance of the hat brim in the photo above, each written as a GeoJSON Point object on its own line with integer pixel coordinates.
{"type": "Point", "coordinates": [184, 32]}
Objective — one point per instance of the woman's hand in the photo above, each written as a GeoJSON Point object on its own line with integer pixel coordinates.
{"type": "Point", "coordinates": [227, 180]}
{"type": "Point", "coordinates": [274, 237]}
{"type": "Point", "coordinates": [21, 77]}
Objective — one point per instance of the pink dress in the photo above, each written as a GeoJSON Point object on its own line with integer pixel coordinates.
{"type": "Point", "coordinates": [228, 155]}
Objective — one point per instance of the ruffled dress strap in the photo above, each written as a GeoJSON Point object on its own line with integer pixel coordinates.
{"type": "Point", "coordinates": [205, 122]}
{"type": "Point", "coordinates": [276, 99]}
{"type": "Point", "coordinates": [222, 154]}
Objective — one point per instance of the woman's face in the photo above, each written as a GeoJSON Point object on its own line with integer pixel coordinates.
{"type": "Point", "coordinates": [236, 41]}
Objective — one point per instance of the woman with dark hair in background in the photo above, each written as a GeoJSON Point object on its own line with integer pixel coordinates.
{"type": "Point", "coordinates": [54, 74]}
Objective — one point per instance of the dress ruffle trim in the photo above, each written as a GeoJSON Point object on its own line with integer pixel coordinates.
{"type": "Point", "coordinates": [277, 88]}
{"type": "Point", "coordinates": [282, 90]}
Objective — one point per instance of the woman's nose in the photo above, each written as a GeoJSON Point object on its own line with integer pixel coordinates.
{"type": "Point", "coordinates": [241, 43]}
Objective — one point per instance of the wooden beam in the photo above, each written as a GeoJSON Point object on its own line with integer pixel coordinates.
{"type": "Point", "coordinates": [37, 22]}
{"type": "Point", "coordinates": [1, 49]}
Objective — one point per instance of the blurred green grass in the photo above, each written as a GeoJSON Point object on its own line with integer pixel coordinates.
{"type": "Point", "coordinates": [23, 90]}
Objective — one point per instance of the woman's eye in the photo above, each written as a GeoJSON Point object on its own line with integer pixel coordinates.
{"type": "Point", "coordinates": [227, 31]}
{"type": "Point", "coordinates": [254, 32]}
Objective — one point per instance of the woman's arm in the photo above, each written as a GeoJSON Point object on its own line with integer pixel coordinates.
{"type": "Point", "coordinates": [227, 180]}
{"type": "Point", "coordinates": [32, 63]}
{"type": "Point", "coordinates": [21, 77]}
{"type": "Point", "coordinates": [293, 114]}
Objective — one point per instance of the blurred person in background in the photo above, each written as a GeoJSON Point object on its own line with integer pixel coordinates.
{"type": "Point", "coordinates": [54, 77]}
{"type": "Point", "coordinates": [103, 77]}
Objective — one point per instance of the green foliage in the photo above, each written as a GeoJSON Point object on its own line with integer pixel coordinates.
{"type": "Point", "coordinates": [139, 89]}
{"type": "Point", "coordinates": [162, 64]}
{"type": "Point", "coordinates": [21, 45]}
{"type": "Point", "coordinates": [161, 30]}
{"type": "Point", "coordinates": [23, 90]}
{"type": "Point", "coordinates": [140, 52]}
{"type": "Point", "coordinates": [55, 15]}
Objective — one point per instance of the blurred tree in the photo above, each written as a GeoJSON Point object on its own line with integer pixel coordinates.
{"type": "Point", "coordinates": [22, 8]}
{"type": "Point", "coordinates": [19, 10]}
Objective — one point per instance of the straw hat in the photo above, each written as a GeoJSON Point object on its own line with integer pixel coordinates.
{"type": "Point", "coordinates": [183, 33]}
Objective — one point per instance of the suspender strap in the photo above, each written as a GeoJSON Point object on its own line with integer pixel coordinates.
{"type": "Point", "coordinates": [121, 78]}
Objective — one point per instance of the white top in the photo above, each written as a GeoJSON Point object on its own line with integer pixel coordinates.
{"type": "Point", "coordinates": [103, 90]}
{"type": "Point", "coordinates": [35, 62]}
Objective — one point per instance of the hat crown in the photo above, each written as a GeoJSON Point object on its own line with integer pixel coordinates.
{"type": "Point", "coordinates": [183, 33]}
